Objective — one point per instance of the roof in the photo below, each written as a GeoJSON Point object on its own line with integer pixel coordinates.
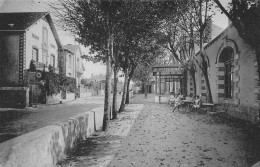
{"type": "Point", "coordinates": [71, 48]}
{"type": "Point", "coordinates": [216, 30]}
{"type": "Point", "coordinates": [215, 39]}
{"type": "Point", "coordinates": [98, 78]}
{"type": "Point", "coordinates": [19, 21]}
{"type": "Point", "coordinates": [21, 6]}
{"type": "Point", "coordinates": [19, 15]}
{"type": "Point", "coordinates": [23, 21]}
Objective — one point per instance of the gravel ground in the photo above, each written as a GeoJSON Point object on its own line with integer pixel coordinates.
{"type": "Point", "coordinates": [159, 137]}
{"type": "Point", "coordinates": [101, 148]}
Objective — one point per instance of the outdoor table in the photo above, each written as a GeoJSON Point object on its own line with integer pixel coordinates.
{"type": "Point", "coordinates": [189, 102]}
{"type": "Point", "coordinates": [211, 105]}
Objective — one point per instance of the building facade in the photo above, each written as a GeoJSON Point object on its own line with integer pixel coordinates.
{"type": "Point", "coordinates": [232, 72]}
{"type": "Point", "coordinates": [71, 65]}
{"type": "Point", "coordinates": [25, 39]}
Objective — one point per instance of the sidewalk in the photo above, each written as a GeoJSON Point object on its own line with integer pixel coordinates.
{"type": "Point", "coordinates": [159, 137]}
{"type": "Point", "coordinates": [15, 122]}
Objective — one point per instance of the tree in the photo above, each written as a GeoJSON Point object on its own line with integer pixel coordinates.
{"type": "Point", "coordinates": [94, 24]}
{"type": "Point", "coordinates": [99, 24]}
{"type": "Point", "coordinates": [143, 19]}
{"type": "Point", "coordinates": [245, 16]}
{"type": "Point", "coordinates": [194, 24]}
{"type": "Point", "coordinates": [183, 31]}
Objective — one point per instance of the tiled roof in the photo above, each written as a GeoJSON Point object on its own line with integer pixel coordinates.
{"type": "Point", "coordinates": [19, 21]}
{"type": "Point", "coordinates": [71, 48]}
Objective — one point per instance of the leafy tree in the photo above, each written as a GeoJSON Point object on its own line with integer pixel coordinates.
{"type": "Point", "coordinates": [143, 19]}
{"type": "Point", "coordinates": [104, 25]}
{"type": "Point", "coordinates": [245, 16]}
{"type": "Point", "coordinates": [186, 30]}
{"type": "Point", "coordinates": [93, 23]}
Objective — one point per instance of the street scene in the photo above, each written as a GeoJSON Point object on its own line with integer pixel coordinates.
{"type": "Point", "coordinates": [148, 134]}
{"type": "Point", "coordinates": [118, 83]}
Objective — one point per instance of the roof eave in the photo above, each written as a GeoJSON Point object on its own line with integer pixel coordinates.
{"type": "Point", "coordinates": [56, 36]}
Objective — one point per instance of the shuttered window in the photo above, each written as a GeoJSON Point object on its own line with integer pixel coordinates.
{"type": "Point", "coordinates": [227, 57]}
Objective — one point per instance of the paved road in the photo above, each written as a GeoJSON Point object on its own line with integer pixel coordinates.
{"type": "Point", "coordinates": [18, 122]}
{"type": "Point", "coordinates": [159, 137]}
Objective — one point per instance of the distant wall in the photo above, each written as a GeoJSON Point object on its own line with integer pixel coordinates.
{"type": "Point", "coordinates": [14, 97]}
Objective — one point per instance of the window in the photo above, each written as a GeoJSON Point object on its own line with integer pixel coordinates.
{"type": "Point", "coordinates": [52, 60]}
{"type": "Point", "coordinates": [45, 35]}
{"type": "Point", "coordinates": [70, 61]}
{"type": "Point", "coordinates": [227, 57]}
{"type": "Point", "coordinates": [45, 57]}
{"type": "Point", "coordinates": [35, 54]}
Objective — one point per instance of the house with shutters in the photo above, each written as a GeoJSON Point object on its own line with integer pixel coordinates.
{"type": "Point", "coordinates": [25, 38]}
{"type": "Point", "coordinates": [232, 72]}
{"type": "Point", "coordinates": [71, 65]}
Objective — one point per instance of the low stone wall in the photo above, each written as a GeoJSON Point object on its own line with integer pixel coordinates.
{"type": "Point", "coordinates": [69, 97]}
{"type": "Point", "coordinates": [98, 118]}
{"type": "Point", "coordinates": [53, 99]}
{"type": "Point", "coordinates": [46, 146]}
{"type": "Point", "coordinates": [161, 99]}
{"type": "Point", "coordinates": [87, 94]}
{"type": "Point", "coordinates": [131, 94]}
{"type": "Point", "coordinates": [14, 97]}
{"type": "Point", "coordinates": [101, 92]}
{"type": "Point", "coordinates": [248, 113]}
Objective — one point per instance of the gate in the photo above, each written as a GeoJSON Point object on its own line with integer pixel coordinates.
{"type": "Point", "coordinates": [36, 95]}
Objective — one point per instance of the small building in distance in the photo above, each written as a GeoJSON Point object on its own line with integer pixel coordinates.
{"type": "Point", "coordinates": [71, 65]}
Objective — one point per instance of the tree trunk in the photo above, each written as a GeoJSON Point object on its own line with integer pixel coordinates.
{"type": "Point", "coordinates": [257, 54]}
{"type": "Point", "coordinates": [204, 63]}
{"type": "Point", "coordinates": [122, 106]}
{"type": "Point", "coordinates": [208, 86]}
{"type": "Point", "coordinates": [107, 94]}
{"type": "Point", "coordinates": [127, 91]}
{"type": "Point", "coordinates": [114, 106]}
{"type": "Point", "coordinates": [204, 68]}
{"type": "Point", "coordinates": [108, 83]}
{"type": "Point", "coordinates": [145, 89]}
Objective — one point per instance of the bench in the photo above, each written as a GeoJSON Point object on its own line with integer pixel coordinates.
{"type": "Point", "coordinates": [206, 105]}
{"type": "Point", "coordinates": [210, 105]}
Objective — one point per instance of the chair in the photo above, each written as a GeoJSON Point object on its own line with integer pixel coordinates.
{"type": "Point", "coordinates": [197, 105]}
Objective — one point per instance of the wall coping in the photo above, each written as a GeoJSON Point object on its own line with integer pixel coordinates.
{"type": "Point", "coordinates": [11, 150]}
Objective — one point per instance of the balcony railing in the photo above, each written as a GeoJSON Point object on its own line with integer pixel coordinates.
{"type": "Point", "coordinates": [39, 64]}
{"type": "Point", "coordinates": [42, 67]}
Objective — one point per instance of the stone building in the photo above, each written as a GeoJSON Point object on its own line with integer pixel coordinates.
{"type": "Point", "coordinates": [232, 72]}
{"type": "Point", "coordinates": [25, 37]}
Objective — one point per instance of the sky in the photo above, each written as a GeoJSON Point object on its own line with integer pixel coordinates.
{"type": "Point", "coordinates": [91, 68]}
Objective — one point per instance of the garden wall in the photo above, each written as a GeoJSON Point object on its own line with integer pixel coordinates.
{"type": "Point", "coordinates": [47, 146]}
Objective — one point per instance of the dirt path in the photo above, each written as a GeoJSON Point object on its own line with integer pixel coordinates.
{"type": "Point", "coordinates": [159, 137]}
{"type": "Point", "coordinates": [100, 149]}
{"type": "Point", "coordinates": [162, 138]}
